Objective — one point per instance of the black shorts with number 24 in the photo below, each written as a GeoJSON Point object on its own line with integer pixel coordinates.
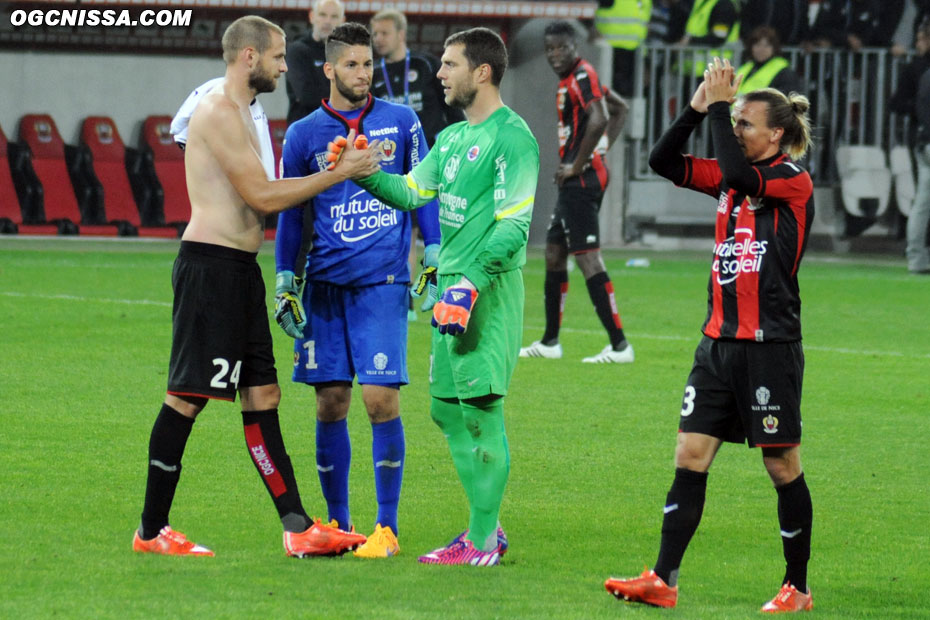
{"type": "Point", "coordinates": [221, 340]}
{"type": "Point", "coordinates": [745, 391]}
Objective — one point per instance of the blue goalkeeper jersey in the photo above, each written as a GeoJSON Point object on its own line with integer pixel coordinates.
{"type": "Point", "coordinates": [357, 240]}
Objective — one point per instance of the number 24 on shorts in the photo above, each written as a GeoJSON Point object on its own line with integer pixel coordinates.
{"type": "Point", "coordinates": [219, 380]}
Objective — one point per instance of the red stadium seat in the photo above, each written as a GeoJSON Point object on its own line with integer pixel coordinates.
{"type": "Point", "coordinates": [277, 127]}
{"type": "Point", "coordinates": [11, 211]}
{"type": "Point", "coordinates": [108, 161]}
{"type": "Point", "coordinates": [168, 163]}
{"type": "Point", "coordinates": [57, 203]}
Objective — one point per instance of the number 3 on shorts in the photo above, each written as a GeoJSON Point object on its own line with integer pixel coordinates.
{"type": "Point", "coordinates": [219, 380]}
{"type": "Point", "coordinates": [687, 403]}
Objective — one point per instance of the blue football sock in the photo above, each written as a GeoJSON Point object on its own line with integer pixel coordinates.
{"type": "Point", "coordinates": [333, 456]}
{"type": "Point", "coordinates": [388, 451]}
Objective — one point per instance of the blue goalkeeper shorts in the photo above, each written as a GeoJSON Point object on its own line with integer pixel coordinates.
{"type": "Point", "coordinates": [353, 332]}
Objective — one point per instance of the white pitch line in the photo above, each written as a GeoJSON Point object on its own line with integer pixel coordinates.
{"type": "Point", "coordinates": [102, 300]}
{"type": "Point", "coordinates": [697, 336]}
{"type": "Point", "coordinates": [531, 328]}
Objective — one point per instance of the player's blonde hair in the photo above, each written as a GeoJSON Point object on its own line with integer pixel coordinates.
{"type": "Point", "coordinates": [248, 31]}
{"type": "Point", "coordinates": [790, 112]}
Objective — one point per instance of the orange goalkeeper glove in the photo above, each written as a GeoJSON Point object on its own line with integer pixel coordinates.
{"type": "Point", "coordinates": [452, 311]}
{"type": "Point", "coordinates": [338, 144]}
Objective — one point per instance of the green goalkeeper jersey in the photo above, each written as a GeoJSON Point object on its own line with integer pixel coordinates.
{"type": "Point", "coordinates": [485, 178]}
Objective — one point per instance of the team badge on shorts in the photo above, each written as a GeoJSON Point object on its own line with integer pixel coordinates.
{"type": "Point", "coordinates": [770, 424]}
{"type": "Point", "coordinates": [380, 361]}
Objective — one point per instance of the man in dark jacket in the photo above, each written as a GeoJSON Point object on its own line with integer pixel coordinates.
{"type": "Point", "coordinates": [306, 84]}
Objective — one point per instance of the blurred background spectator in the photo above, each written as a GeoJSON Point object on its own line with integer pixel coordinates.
{"type": "Point", "coordinates": [766, 67]}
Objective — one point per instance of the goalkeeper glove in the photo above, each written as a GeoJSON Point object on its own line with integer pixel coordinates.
{"type": "Point", "coordinates": [426, 281]}
{"type": "Point", "coordinates": [335, 148]}
{"type": "Point", "coordinates": [452, 311]}
{"type": "Point", "coordinates": [288, 310]}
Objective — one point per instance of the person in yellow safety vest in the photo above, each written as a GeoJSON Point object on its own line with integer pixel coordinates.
{"type": "Point", "coordinates": [766, 66]}
{"type": "Point", "coordinates": [712, 23]}
{"type": "Point", "coordinates": [624, 24]}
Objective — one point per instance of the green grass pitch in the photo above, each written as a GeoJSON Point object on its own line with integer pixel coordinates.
{"type": "Point", "coordinates": [83, 360]}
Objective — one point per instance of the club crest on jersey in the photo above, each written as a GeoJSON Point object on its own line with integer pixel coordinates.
{"type": "Point", "coordinates": [452, 168]}
{"type": "Point", "coordinates": [389, 149]}
{"type": "Point", "coordinates": [770, 424]}
{"type": "Point", "coordinates": [473, 153]}
{"type": "Point", "coordinates": [412, 75]}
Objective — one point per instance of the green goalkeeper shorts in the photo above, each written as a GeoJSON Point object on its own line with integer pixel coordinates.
{"type": "Point", "coordinates": [480, 361]}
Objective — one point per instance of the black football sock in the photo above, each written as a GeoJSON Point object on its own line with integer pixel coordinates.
{"type": "Point", "coordinates": [266, 447]}
{"type": "Point", "coordinates": [795, 515]}
{"type": "Point", "coordinates": [555, 289]}
{"type": "Point", "coordinates": [601, 291]}
{"type": "Point", "coordinates": [684, 506]}
{"type": "Point", "coordinates": [166, 447]}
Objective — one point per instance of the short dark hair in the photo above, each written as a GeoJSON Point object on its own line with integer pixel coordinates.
{"type": "Point", "coordinates": [482, 47]}
{"type": "Point", "coordinates": [345, 35]}
{"type": "Point", "coordinates": [560, 28]}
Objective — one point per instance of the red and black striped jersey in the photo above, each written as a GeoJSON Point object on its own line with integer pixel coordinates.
{"type": "Point", "coordinates": [761, 231]}
{"type": "Point", "coordinates": [576, 91]}
{"type": "Point", "coordinates": [759, 240]}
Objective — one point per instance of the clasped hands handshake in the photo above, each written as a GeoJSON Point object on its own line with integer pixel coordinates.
{"type": "Point", "coordinates": [353, 157]}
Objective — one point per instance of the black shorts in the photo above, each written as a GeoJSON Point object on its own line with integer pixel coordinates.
{"type": "Point", "coordinates": [742, 390]}
{"type": "Point", "coordinates": [221, 341]}
{"type": "Point", "coordinates": [575, 219]}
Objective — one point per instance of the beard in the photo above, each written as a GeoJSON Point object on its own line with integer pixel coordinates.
{"type": "Point", "coordinates": [348, 93]}
{"type": "Point", "coordinates": [262, 82]}
{"type": "Point", "coordinates": [463, 99]}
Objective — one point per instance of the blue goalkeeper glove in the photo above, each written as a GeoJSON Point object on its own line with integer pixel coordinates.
{"type": "Point", "coordinates": [452, 311]}
{"type": "Point", "coordinates": [288, 310]}
{"type": "Point", "coordinates": [426, 281]}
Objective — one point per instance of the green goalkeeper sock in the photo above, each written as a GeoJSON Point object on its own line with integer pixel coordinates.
{"type": "Point", "coordinates": [447, 414]}
{"type": "Point", "coordinates": [484, 419]}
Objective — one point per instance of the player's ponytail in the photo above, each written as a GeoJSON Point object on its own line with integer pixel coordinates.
{"type": "Point", "coordinates": [791, 114]}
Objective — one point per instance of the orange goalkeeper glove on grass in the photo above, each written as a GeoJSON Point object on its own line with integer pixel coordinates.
{"type": "Point", "coordinates": [452, 311]}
